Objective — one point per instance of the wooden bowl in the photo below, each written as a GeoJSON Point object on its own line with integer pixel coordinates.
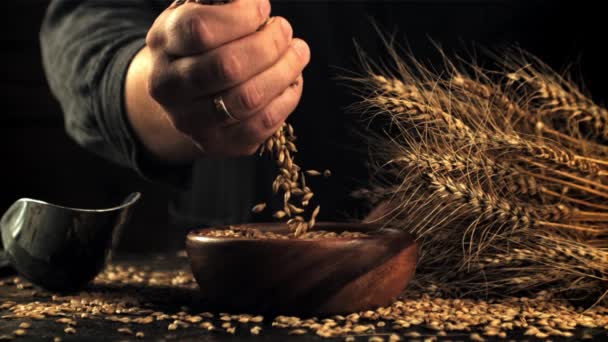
{"type": "Point", "coordinates": [302, 276]}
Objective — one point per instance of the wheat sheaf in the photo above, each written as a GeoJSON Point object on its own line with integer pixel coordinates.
{"type": "Point", "coordinates": [501, 173]}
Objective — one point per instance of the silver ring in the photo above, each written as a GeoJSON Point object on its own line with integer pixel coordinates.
{"type": "Point", "coordinates": [202, 2]}
{"type": "Point", "coordinates": [220, 106]}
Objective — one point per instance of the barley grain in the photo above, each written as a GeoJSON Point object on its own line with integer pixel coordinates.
{"type": "Point", "coordinates": [394, 338]}
{"type": "Point", "coordinates": [279, 214]}
{"type": "Point", "coordinates": [258, 208]}
{"type": "Point", "coordinates": [476, 337]}
{"type": "Point", "coordinates": [207, 326]}
{"type": "Point", "coordinates": [297, 332]}
{"type": "Point", "coordinates": [125, 331]}
{"type": "Point", "coordinates": [255, 330]}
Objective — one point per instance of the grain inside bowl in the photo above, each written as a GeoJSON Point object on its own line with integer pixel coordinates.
{"type": "Point", "coordinates": [253, 233]}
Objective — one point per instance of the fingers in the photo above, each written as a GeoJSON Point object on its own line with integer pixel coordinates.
{"type": "Point", "coordinates": [194, 28]}
{"type": "Point", "coordinates": [237, 61]}
{"type": "Point", "coordinates": [249, 134]}
{"type": "Point", "coordinates": [201, 54]}
{"type": "Point", "coordinates": [247, 98]}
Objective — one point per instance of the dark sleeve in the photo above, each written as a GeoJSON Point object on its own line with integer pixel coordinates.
{"type": "Point", "coordinates": [87, 47]}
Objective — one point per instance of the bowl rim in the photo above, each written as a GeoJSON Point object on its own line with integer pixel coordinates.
{"type": "Point", "coordinates": [195, 236]}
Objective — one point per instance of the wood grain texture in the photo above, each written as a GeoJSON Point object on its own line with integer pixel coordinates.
{"type": "Point", "coordinates": [330, 275]}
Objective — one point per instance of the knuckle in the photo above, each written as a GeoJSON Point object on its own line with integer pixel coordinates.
{"type": "Point", "coordinates": [228, 68]}
{"type": "Point", "coordinates": [201, 32]}
{"type": "Point", "coordinates": [188, 28]}
{"type": "Point", "coordinates": [269, 118]}
{"type": "Point", "coordinates": [257, 10]}
{"type": "Point", "coordinates": [249, 97]}
{"type": "Point", "coordinates": [173, 25]}
{"type": "Point", "coordinates": [189, 75]}
{"type": "Point", "coordinates": [155, 39]}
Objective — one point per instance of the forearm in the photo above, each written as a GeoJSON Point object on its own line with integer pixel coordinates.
{"type": "Point", "coordinates": [87, 47]}
{"type": "Point", "coordinates": [148, 119]}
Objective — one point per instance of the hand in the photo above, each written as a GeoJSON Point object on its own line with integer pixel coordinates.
{"type": "Point", "coordinates": [198, 52]}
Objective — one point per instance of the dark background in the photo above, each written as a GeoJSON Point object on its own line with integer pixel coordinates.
{"type": "Point", "coordinates": [38, 159]}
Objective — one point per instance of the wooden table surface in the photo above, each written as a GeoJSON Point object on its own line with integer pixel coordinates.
{"type": "Point", "coordinates": [169, 300]}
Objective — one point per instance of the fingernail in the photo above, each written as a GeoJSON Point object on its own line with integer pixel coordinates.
{"type": "Point", "coordinates": [301, 48]}
{"type": "Point", "coordinates": [266, 23]}
{"type": "Point", "coordinates": [270, 20]}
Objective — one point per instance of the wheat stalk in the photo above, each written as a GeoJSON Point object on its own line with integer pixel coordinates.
{"type": "Point", "coordinates": [501, 174]}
